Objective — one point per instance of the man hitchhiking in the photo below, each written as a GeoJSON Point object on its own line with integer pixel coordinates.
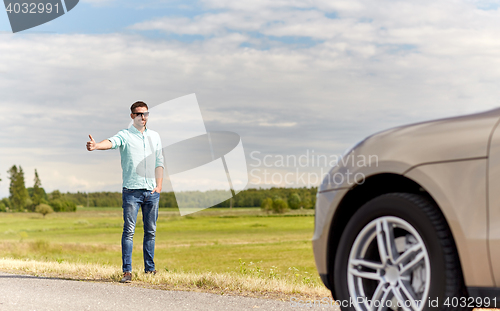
{"type": "Point", "coordinates": [142, 165]}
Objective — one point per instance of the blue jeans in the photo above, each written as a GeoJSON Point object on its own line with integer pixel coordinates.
{"type": "Point", "coordinates": [133, 199]}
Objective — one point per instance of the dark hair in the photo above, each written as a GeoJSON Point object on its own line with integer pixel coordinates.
{"type": "Point", "coordinates": [138, 104]}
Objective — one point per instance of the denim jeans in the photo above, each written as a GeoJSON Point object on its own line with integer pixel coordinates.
{"type": "Point", "coordinates": [133, 199]}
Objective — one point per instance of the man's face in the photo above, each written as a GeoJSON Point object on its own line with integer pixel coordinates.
{"type": "Point", "coordinates": [140, 119]}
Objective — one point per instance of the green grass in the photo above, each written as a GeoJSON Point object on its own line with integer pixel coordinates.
{"type": "Point", "coordinates": [241, 240]}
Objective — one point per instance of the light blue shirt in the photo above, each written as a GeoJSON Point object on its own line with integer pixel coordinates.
{"type": "Point", "coordinates": [141, 154]}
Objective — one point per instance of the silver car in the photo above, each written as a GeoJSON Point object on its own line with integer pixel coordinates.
{"type": "Point", "coordinates": [409, 218]}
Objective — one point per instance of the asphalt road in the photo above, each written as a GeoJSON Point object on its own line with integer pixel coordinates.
{"type": "Point", "coordinates": [27, 293]}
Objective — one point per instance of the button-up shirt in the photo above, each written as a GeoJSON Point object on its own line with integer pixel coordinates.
{"type": "Point", "coordinates": [141, 154]}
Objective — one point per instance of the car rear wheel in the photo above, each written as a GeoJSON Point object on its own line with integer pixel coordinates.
{"type": "Point", "coordinates": [397, 253]}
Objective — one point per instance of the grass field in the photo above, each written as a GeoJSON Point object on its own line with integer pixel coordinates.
{"type": "Point", "coordinates": [242, 242]}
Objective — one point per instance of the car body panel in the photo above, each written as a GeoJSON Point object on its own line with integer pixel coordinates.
{"type": "Point", "coordinates": [322, 222]}
{"type": "Point", "coordinates": [463, 203]}
{"type": "Point", "coordinates": [494, 203]}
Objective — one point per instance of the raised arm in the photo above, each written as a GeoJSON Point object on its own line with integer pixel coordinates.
{"type": "Point", "coordinates": [103, 145]}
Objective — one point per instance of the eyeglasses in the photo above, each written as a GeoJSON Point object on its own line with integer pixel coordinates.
{"type": "Point", "coordinates": [145, 114]}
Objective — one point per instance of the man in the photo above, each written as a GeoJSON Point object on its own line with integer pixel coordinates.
{"type": "Point", "coordinates": [142, 165]}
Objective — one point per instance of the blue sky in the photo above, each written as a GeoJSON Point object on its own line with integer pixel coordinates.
{"type": "Point", "coordinates": [290, 77]}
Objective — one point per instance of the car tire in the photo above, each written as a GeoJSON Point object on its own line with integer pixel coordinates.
{"type": "Point", "coordinates": [395, 251]}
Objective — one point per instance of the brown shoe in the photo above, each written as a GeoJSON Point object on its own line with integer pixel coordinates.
{"type": "Point", "coordinates": [150, 272]}
{"type": "Point", "coordinates": [127, 277]}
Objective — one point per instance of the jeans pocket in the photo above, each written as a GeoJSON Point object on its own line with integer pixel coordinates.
{"type": "Point", "coordinates": [128, 196]}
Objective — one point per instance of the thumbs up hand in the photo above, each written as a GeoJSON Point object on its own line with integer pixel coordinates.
{"type": "Point", "coordinates": [91, 145]}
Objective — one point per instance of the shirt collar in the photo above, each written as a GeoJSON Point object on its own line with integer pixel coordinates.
{"type": "Point", "coordinates": [134, 130]}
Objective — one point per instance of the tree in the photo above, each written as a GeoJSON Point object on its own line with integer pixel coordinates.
{"type": "Point", "coordinates": [306, 200]}
{"type": "Point", "coordinates": [279, 206]}
{"type": "Point", "coordinates": [38, 192]}
{"type": "Point", "coordinates": [60, 203]}
{"type": "Point", "coordinates": [13, 177]}
{"type": "Point", "coordinates": [294, 201]}
{"type": "Point", "coordinates": [267, 205]}
{"type": "Point", "coordinates": [6, 202]}
{"type": "Point", "coordinates": [44, 209]}
{"type": "Point", "coordinates": [55, 195]}
{"type": "Point", "coordinates": [17, 189]}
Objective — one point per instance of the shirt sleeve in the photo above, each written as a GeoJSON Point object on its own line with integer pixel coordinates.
{"type": "Point", "coordinates": [118, 140]}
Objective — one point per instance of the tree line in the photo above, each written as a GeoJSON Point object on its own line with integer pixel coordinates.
{"type": "Point", "coordinates": [275, 200]}
{"type": "Point", "coordinates": [293, 198]}
{"type": "Point", "coordinates": [33, 199]}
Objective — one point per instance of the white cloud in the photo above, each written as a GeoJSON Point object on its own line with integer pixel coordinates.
{"type": "Point", "coordinates": [208, 24]}
{"type": "Point", "coordinates": [255, 6]}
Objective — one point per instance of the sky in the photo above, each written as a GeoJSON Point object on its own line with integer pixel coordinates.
{"type": "Point", "coordinates": [293, 78]}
